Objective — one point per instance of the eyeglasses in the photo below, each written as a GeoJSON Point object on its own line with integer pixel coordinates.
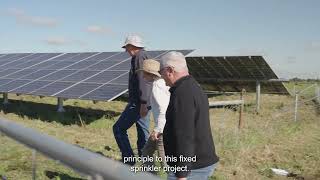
{"type": "Point", "coordinates": [163, 69]}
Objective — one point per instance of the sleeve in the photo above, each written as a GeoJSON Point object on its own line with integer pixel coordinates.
{"type": "Point", "coordinates": [144, 86]}
{"type": "Point", "coordinates": [184, 130]}
{"type": "Point", "coordinates": [161, 97]}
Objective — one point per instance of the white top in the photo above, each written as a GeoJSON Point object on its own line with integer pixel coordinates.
{"type": "Point", "coordinates": [159, 100]}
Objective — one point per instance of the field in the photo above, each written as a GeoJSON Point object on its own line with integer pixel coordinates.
{"type": "Point", "coordinates": [270, 139]}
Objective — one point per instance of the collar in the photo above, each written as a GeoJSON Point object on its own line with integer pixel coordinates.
{"type": "Point", "coordinates": [179, 82]}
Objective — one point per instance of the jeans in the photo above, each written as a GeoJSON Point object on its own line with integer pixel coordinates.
{"type": "Point", "coordinates": [196, 174]}
{"type": "Point", "coordinates": [128, 117]}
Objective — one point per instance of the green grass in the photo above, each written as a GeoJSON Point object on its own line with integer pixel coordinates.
{"type": "Point", "coordinates": [300, 86]}
{"type": "Point", "coordinates": [268, 139]}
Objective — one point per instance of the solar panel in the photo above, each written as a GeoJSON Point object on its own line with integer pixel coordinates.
{"type": "Point", "coordinates": [12, 84]}
{"type": "Point", "coordinates": [88, 75]}
{"type": "Point", "coordinates": [65, 57]}
{"type": "Point", "coordinates": [233, 73]}
{"type": "Point", "coordinates": [80, 75]}
{"type": "Point", "coordinates": [123, 79]}
{"type": "Point", "coordinates": [101, 65]}
{"type": "Point", "coordinates": [122, 66]}
{"type": "Point", "coordinates": [51, 88]}
{"type": "Point", "coordinates": [56, 75]}
{"type": "Point", "coordinates": [8, 71]}
{"type": "Point", "coordinates": [105, 76]}
{"type": "Point", "coordinates": [102, 56]}
{"type": "Point", "coordinates": [80, 57]}
{"type": "Point", "coordinates": [21, 60]}
{"type": "Point", "coordinates": [30, 87]}
{"type": "Point", "coordinates": [78, 90]}
{"type": "Point", "coordinates": [106, 92]}
{"type": "Point", "coordinates": [82, 65]}
{"type": "Point", "coordinates": [44, 65]}
{"type": "Point", "coordinates": [37, 74]}
{"type": "Point", "coordinates": [4, 81]}
{"type": "Point", "coordinates": [19, 73]}
{"type": "Point", "coordinates": [14, 57]}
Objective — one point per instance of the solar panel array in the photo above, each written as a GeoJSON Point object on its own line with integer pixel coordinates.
{"type": "Point", "coordinates": [234, 73]}
{"type": "Point", "coordinates": [90, 75]}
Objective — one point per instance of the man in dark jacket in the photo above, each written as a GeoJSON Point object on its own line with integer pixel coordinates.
{"type": "Point", "coordinates": [136, 112]}
{"type": "Point", "coordinates": [187, 136]}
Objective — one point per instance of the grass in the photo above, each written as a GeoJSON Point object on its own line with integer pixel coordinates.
{"type": "Point", "coordinates": [270, 139]}
{"type": "Point", "coordinates": [308, 88]}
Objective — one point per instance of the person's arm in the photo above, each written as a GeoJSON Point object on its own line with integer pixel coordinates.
{"type": "Point", "coordinates": [161, 97]}
{"type": "Point", "coordinates": [184, 129]}
{"type": "Point", "coordinates": [144, 87]}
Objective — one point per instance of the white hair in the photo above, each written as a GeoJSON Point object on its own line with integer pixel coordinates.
{"type": "Point", "coordinates": [174, 59]}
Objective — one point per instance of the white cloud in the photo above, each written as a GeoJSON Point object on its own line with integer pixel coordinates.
{"type": "Point", "coordinates": [23, 17]}
{"type": "Point", "coordinates": [250, 52]}
{"type": "Point", "coordinates": [62, 41]}
{"type": "Point", "coordinates": [98, 29]}
{"type": "Point", "coordinates": [58, 41]}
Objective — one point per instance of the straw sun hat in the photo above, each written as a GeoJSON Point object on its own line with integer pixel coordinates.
{"type": "Point", "coordinates": [151, 66]}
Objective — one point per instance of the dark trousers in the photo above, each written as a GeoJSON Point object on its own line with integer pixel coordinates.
{"type": "Point", "coordinates": [128, 117]}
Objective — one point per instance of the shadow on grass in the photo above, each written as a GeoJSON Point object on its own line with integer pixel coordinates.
{"type": "Point", "coordinates": [48, 112]}
{"type": "Point", "coordinates": [61, 176]}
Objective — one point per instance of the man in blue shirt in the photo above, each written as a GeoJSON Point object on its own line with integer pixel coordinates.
{"type": "Point", "coordinates": [136, 110]}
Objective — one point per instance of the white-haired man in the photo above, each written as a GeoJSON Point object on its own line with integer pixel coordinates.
{"type": "Point", "coordinates": [136, 111]}
{"type": "Point", "coordinates": [187, 136]}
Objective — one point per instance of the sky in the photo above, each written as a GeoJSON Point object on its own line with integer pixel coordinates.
{"type": "Point", "coordinates": [285, 32]}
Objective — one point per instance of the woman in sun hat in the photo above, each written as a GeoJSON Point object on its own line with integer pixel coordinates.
{"type": "Point", "coordinates": [159, 99]}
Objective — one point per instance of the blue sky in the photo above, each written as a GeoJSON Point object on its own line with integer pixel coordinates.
{"type": "Point", "coordinates": [285, 32]}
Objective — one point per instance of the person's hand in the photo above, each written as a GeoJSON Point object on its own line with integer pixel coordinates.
{"type": "Point", "coordinates": [143, 110]}
{"type": "Point", "coordinates": [155, 135]}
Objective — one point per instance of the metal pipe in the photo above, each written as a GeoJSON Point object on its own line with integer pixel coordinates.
{"type": "Point", "coordinates": [79, 159]}
{"type": "Point", "coordinates": [258, 92]}
{"type": "Point", "coordinates": [225, 103]}
{"type": "Point", "coordinates": [241, 110]}
{"type": "Point", "coordinates": [34, 164]}
{"type": "Point", "coordinates": [296, 108]}
{"type": "Point", "coordinates": [317, 93]}
{"type": "Point", "coordinates": [60, 105]}
{"type": "Point", "coordinates": [5, 98]}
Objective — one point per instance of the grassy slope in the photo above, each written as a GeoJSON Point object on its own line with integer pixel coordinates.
{"type": "Point", "coordinates": [269, 139]}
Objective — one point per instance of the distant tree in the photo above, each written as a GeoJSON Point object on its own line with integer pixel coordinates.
{"type": "Point", "coordinates": [296, 79]}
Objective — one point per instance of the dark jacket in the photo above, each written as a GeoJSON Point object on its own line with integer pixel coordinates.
{"type": "Point", "coordinates": [187, 131]}
{"type": "Point", "coordinates": [136, 82]}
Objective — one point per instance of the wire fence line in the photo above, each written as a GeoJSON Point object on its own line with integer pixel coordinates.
{"type": "Point", "coordinates": [301, 95]}
{"type": "Point", "coordinates": [312, 95]}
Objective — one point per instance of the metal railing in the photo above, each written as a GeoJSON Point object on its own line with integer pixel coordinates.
{"type": "Point", "coordinates": [87, 163]}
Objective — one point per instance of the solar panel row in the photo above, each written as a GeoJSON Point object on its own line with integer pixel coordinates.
{"type": "Point", "coordinates": [233, 73]}
{"type": "Point", "coordinates": [91, 76]}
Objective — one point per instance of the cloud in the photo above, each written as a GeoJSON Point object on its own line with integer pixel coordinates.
{"type": "Point", "coordinates": [57, 41]}
{"type": "Point", "coordinates": [252, 52]}
{"type": "Point", "coordinates": [62, 41]}
{"type": "Point", "coordinates": [24, 18]}
{"type": "Point", "coordinates": [96, 29]}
